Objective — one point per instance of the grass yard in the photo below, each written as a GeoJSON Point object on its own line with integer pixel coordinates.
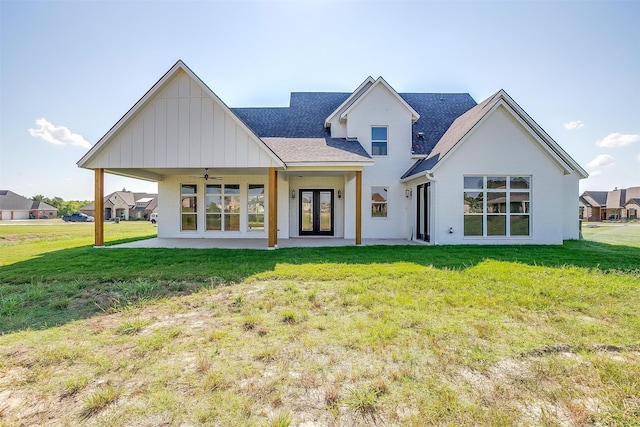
{"type": "Point", "coordinates": [613, 233]}
{"type": "Point", "coordinates": [413, 335]}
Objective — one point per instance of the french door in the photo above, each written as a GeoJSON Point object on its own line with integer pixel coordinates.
{"type": "Point", "coordinates": [422, 213]}
{"type": "Point", "coordinates": [316, 212]}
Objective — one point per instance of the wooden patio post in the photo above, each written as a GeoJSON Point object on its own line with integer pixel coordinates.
{"type": "Point", "coordinates": [99, 208]}
{"type": "Point", "coordinates": [358, 207]}
{"type": "Point", "coordinates": [273, 208]}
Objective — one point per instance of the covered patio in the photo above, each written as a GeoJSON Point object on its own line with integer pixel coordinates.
{"type": "Point", "coordinates": [160, 242]}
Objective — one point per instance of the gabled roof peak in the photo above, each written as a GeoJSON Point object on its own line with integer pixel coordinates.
{"type": "Point", "coordinates": [380, 81]}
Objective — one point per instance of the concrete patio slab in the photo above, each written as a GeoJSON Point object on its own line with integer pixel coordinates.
{"type": "Point", "coordinates": [159, 242]}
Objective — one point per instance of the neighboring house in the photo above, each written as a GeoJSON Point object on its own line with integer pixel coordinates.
{"type": "Point", "coordinates": [592, 205]}
{"type": "Point", "coordinates": [125, 205]}
{"type": "Point", "coordinates": [614, 205]}
{"type": "Point", "coordinates": [14, 206]}
{"type": "Point", "coordinates": [373, 163]}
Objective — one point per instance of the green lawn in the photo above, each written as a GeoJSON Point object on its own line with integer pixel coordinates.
{"type": "Point", "coordinates": [613, 233]}
{"type": "Point", "coordinates": [409, 335]}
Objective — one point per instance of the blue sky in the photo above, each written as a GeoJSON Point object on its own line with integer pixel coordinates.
{"type": "Point", "coordinates": [71, 69]}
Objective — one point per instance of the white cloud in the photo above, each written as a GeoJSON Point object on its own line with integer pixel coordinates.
{"type": "Point", "coordinates": [601, 161]}
{"type": "Point", "coordinates": [595, 173]}
{"type": "Point", "coordinates": [58, 135]}
{"type": "Point", "coordinates": [618, 140]}
{"type": "Point", "coordinates": [576, 124]}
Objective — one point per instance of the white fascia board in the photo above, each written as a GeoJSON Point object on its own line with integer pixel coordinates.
{"type": "Point", "coordinates": [423, 174]}
{"type": "Point", "coordinates": [136, 173]}
{"type": "Point", "coordinates": [354, 95]}
{"type": "Point", "coordinates": [179, 65]}
{"type": "Point", "coordinates": [380, 81]}
{"type": "Point", "coordinates": [336, 165]}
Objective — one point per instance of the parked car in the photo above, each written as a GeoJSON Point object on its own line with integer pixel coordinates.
{"type": "Point", "coordinates": [77, 217]}
{"type": "Point", "coordinates": [154, 218]}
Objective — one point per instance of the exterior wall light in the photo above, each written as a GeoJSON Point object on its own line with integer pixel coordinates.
{"type": "Point", "coordinates": [407, 193]}
{"type": "Point", "coordinates": [293, 194]}
{"type": "Point", "coordinates": [339, 194]}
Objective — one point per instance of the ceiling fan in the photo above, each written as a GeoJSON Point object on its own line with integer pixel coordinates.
{"type": "Point", "coordinates": [206, 176]}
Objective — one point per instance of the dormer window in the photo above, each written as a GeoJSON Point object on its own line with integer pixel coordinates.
{"type": "Point", "coordinates": [379, 140]}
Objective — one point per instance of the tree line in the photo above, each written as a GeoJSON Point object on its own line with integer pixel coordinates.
{"type": "Point", "coordinates": [64, 207]}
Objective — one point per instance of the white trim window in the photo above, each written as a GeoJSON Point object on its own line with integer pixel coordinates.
{"type": "Point", "coordinates": [379, 140]}
{"type": "Point", "coordinates": [223, 207]}
{"type": "Point", "coordinates": [379, 197]}
{"type": "Point", "coordinates": [255, 207]}
{"type": "Point", "coordinates": [497, 206]}
{"type": "Point", "coordinates": [188, 207]}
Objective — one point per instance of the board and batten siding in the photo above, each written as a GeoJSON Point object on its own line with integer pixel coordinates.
{"type": "Point", "coordinates": [182, 126]}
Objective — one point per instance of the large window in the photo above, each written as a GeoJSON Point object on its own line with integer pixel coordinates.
{"type": "Point", "coordinates": [255, 207]}
{"type": "Point", "coordinates": [189, 207]}
{"type": "Point", "coordinates": [379, 140]}
{"type": "Point", "coordinates": [223, 207]}
{"type": "Point", "coordinates": [379, 202]}
{"type": "Point", "coordinates": [497, 206]}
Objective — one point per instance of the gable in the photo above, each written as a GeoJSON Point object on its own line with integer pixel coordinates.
{"type": "Point", "coordinates": [464, 127]}
{"type": "Point", "coordinates": [375, 91]}
{"type": "Point", "coordinates": [179, 123]}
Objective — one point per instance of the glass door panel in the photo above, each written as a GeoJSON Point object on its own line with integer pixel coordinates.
{"type": "Point", "coordinates": [306, 211]}
{"type": "Point", "coordinates": [326, 210]}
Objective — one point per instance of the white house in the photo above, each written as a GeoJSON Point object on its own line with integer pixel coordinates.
{"type": "Point", "coordinates": [369, 164]}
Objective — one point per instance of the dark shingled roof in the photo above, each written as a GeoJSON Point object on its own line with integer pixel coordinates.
{"type": "Point", "coordinates": [596, 198]}
{"type": "Point", "coordinates": [437, 112]}
{"type": "Point", "coordinates": [304, 118]}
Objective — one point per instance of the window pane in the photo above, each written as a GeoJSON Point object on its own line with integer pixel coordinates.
{"type": "Point", "coordinates": [496, 225]}
{"type": "Point", "coordinates": [256, 189]}
{"type": "Point", "coordinates": [519, 225]}
{"type": "Point", "coordinates": [188, 222]}
{"type": "Point", "coordinates": [378, 194]}
{"type": "Point", "coordinates": [520, 182]}
{"type": "Point", "coordinates": [473, 182]}
{"type": "Point", "coordinates": [496, 182]}
{"type": "Point", "coordinates": [255, 207]}
{"type": "Point", "coordinates": [256, 221]}
{"type": "Point", "coordinates": [214, 204]}
{"type": "Point", "coordinates": [379, 210]}
{"type": "Point", "coordinates": [231, 222]}
{"type": "Point", "coordinates": [378, 148]}
{"type": "Point", "coordinates": [214, 222]}
{"type": "Point", "coordinates": [473, 225]}
{"type": "Point", "coordinates": [189, 189]}
{"type": "Point", "coordinates": [378, 133]}
{"type": "Point", "coordinates": [496, 202]}
{"type": "Point", "coordinates": [232, 189]}
{"type": "Point", "coordinates": [473, 202]}
{"type": "Point", "coordinates": [519, 202]}
{"type": "Point", "coordinates": [214, 189]}
{"type": "Point", "coordinates": [189, 204]}
{"type": "Point", "coordinates": [232, 204]}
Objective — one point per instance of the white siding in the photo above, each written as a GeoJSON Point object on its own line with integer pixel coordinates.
{"type": "Point", "coordinates": [500, 146]}
{"type": "Point", "coordinates": [182, 126]}
{"type": "Point", "coordinates": [380, 107]}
